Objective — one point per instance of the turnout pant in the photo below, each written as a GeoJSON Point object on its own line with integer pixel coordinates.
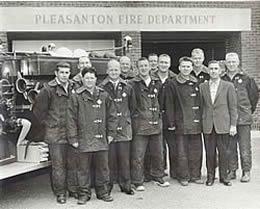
{"type": "Point", "coordinates": [58, 154]}
{"type": "Point", "coordinates": [243, 141]}
{"type": "Point", "coordinates": [147, 157]}
{"type": "Point", "coordinates": [138, 148]}
{"type": "Point", "coordinates": [222, 143]}
{"type": "Point", "coordinates": [100, 161]}
{"type": "Point", "coordinates": [189, 155]}
{"type": "Point", "coordinates": [170, 138]}
{"type": "Point", "coordinates": [119, 164]}
{"type": "Point", "coordinates": [72, 166]}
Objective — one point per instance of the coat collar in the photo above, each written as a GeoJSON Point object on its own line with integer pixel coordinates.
{"type": "Point", "coordinates": [107, 80]}
{"type": "Point", "coordinates": [97, 90]}
{"type": "Point", "coordinates": [182, 80]}
{"type": "Point", "coordinates": [170, 74]}
{"type": "Point", "coordinates": [59, 88]}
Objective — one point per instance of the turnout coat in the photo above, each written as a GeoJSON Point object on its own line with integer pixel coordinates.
{"type": "Point", "coordinates": [50, 109]}
{"type": "Point", "coordinates": [223, 112]}
{"type": "Point", "coordinates": [124, 101]}
{"type": "Point", "coordinates": [247, 96]}
{"type": "Point", "coordinates": [92, 119]}
{"type": "Point", "coordinates": [162, 93]}
{"type": "Point", "coordinates": [146, 117]}
{"type": "Point", "coordinates": [182, 105]}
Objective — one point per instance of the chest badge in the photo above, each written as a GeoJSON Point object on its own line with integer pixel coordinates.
{"type": "Point", "coordinates": [99, 101]}
{"type": "Point", "coordinates": [240, 80]}
{"type": "Point", "coordinates": [124, 94]}
{"type": "Point", "coordinates": [155, 91]}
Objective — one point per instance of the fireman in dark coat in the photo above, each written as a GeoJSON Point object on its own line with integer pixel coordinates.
{"type": "Point", "coordinates": [119, 149]}
{"type": "Point", "coordinates": [199, 71]}
{"type": "Point", "coordinates": [91, 129]}
{"type": "Point", "coordinates": [164, 74]}
{"type": "Point", "coordinates": [51, 109]}
{"type": "Point", "coordinates": [147, 127]}
{"type": "Point", "coordinates": [72, 179]}
{"type": "Point", "coordinates": [84, 62]}
{"type": "Point", "coordinates": [183, 112]}
{"type": "Point", "coordinates": [247, 97]}
{"type": "Point", "coordinates": [127, 71]}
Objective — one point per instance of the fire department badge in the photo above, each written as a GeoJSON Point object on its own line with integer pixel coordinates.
{"type": "Point", "coordinates": [99, 102]}
{"type": "Point", "coordinates": [124, 94]}
{"type": "Point", "coordinates": [240, 80]}
{"type": "Point", "coordinates": [155, 90]}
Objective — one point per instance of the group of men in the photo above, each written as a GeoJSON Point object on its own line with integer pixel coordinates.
{"type": "Point", "coordinates": [119, 130]}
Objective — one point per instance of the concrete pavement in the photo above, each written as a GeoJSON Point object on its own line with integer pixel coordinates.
{"type": "Point", "coordinates": [34, 192]}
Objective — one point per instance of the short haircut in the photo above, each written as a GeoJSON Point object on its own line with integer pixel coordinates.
{"type": "Point", "coordinates": [152, 55]}
{"type": "Point", "coordinates": [185, 59]}
{"type": "Point", "coordinates": [124, 57]}
{"type": "Point", "coordinates": [197, 51]}
{"type": "Point", "coordinates": [86, 70]}
{"type": "Point", "coordinates": [112, 60]}
{"type": "Point", "coordinates": [62, 64]}
{"type": "Point", "coordinates": [84, 57]}
{"type": "Point", "coordinates": [232, 54]}
{"type": "Point", "coordinates": [213, 62]}
{"type": "Point", "coordinates": [165, 55]}
{"type": "Point", "coordinates": [142, 59]}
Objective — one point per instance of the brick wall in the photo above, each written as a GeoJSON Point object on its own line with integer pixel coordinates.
{"type": "Point", "coordinates": [247, 44]}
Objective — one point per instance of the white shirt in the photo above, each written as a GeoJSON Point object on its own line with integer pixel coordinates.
{"type": "Point", "coordinates": [148, 81]}
{"type": "Point", "coordinates": [213, 87]}
{"type": "Point", "coordinates": [115, 83]}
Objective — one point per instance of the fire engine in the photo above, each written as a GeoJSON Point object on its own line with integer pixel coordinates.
{"type": "Point", "coordinates": [22, 76]}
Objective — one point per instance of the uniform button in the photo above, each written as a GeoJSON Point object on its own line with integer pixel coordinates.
{"type": "Point", "coordinates": [193, 95]}
{"type": "Point", "coordinates": [195, 108]}
{"type": "Point", "coordinates": [119, 114]}
{"type": "Point", "coordinates": [196, 121]}
{"type": "Point", "coordinates": [119, 128]}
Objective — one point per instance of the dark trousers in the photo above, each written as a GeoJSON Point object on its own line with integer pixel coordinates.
{"type": "Point", "coordinates": [72, 166]}
{"type": "Point", "coordinates": [138, 148]}
{"type": "Point", "coordinates": [170, 138]}
{"type": "Point", "coordinates": [58, 154]}
{"type": "Point", "coordinates": [100, 160]}
{"type": "Point", "coordinates": [222, 143]}
{"type": "Point", "coordinates": [147, 157]}
{"type": "Point", "coordinates": [243, 140]}
{"type": "Point", "coordinates": [189, 155]}
{"type": "Point", "coordinates": [119, 164]}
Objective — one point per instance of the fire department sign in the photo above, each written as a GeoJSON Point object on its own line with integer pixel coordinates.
{"type": "Point", "coordinates": [123, 19]}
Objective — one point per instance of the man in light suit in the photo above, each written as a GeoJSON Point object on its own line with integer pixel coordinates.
{"type": "Point", "coordinates": [219, 118]}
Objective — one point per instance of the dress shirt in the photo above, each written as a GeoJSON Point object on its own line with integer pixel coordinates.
{"type": "Point", "coordinates": [213, 87]}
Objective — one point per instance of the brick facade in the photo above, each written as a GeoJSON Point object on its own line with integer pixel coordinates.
{"type": "Point", "coordinates": [246, 43]}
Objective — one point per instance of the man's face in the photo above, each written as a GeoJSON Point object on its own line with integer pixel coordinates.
{"type": "Point", "coordinates": [232, 63]}
{"type": "Point", "coordinates": [89, 80]}
{"type": "Point", "coordinates": [125, 64]}
{"type": "Point", "coordinates": [185, 68]}
{"type": "Point", "coordinates": [153, 60]}
{"type": "Point", "coordinates": [144, 67]}
{"type": "Point", "coordinates": [84, 62]}
{"type": "Point", "coordinates": [113, 70]}
{"type": "Point", "coordinates": [198, 59]}
{"type": "Point", "coordinates": [164, 64]}
{"type": "Point", "coordinates": [214, 70]}
{"type": "Point", "coordinates": [63, 74]}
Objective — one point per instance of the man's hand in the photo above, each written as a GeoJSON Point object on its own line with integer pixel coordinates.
{"type": "Point", "coordinates": [233, 130]}
{"type": "Point", "coordinates": [171, 128]}
{"type": "Point", "coordinates": [75, 144]}
{"type": "Point", "coordinates": [110, 139]}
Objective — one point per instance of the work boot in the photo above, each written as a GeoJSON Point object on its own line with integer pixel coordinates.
{"type": "Point", "coordinates": [232, 175]}
{"type": "Point", "coordinates": [245, 177]}
{"type": "Point", "coordinates": [106, 198]}
{"type": "Point", "coordinates": [61, 198]}
{"type": "Point", "coordinates": [160, 182]}
{"type": "Point", "coordinates": [82, 199]}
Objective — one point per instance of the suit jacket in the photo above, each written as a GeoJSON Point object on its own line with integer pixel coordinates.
{"type": "Point", "coordinates": [223, 112]}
